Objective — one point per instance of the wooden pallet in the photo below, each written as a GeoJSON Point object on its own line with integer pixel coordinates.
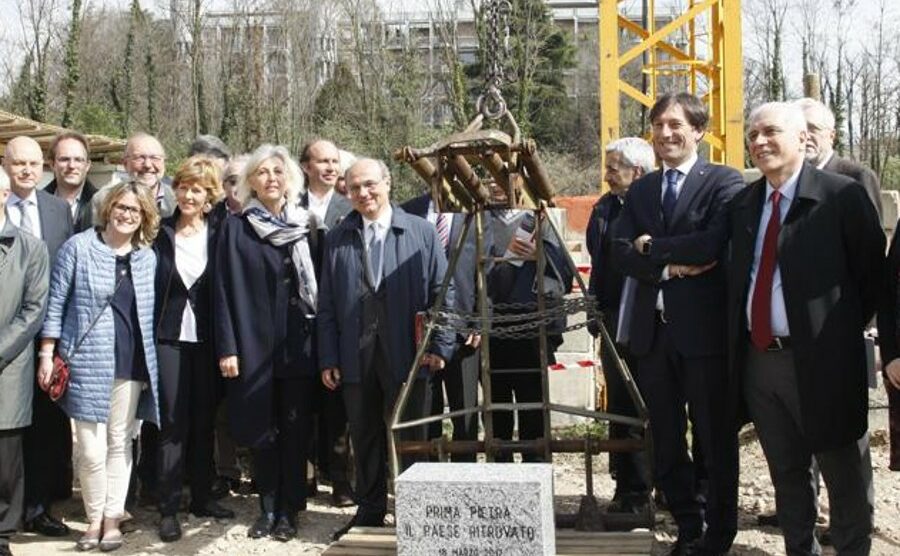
{"type": "Point", "coordinates": [381, 541]}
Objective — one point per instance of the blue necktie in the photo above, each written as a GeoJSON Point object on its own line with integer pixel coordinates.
{"type": "Point", "coordinates": [669, 197]}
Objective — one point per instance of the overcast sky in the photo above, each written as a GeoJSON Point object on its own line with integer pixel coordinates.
{"type": "Point", "coordinates": [11, 31]}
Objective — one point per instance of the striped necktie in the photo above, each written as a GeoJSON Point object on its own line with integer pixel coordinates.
{"type": "Point", "coordinates": [443, 229]}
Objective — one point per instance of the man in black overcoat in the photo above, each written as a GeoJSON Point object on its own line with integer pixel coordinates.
{"type": "Point", "coordinates": [801, 289]}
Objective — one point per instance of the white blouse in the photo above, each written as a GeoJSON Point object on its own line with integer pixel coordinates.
{"type": "Point", "coordinates": [190, 260]}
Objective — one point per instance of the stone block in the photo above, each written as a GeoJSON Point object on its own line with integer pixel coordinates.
{"type": "Point", "coordinates": [475, 509]}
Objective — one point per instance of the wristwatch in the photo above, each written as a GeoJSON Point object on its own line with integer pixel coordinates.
{"type": "Point", "coordinates": [645, 248]}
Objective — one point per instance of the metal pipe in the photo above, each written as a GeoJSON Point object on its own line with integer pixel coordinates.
{"type": "Point", "coordinates": [562, 446]}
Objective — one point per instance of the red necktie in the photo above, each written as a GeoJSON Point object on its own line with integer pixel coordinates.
{"type": "Point", "coordinates": [761, 307]}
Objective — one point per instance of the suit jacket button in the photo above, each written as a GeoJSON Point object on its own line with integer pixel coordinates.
{"type": "Point", "coordinates": [287, 280]}
{"type": "Point", "coordinates": [294, 301]}
{"type": "Point", "coordinates": [287, 260]}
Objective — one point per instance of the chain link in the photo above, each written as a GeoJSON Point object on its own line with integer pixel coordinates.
{"type": "Point", "coordinates": [518, 320]}
{"type": "Point", "coordinates": [491, 103]}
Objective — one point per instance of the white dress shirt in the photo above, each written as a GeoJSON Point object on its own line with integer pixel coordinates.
{"type": "Point", "coordinates": [378, 228]}
{"type": "Point", "coordinates": [319, 205]}
{"type": "Point", "coordinates": [684, 168]}
{"type": "Point", "coordinates": [15, 213]}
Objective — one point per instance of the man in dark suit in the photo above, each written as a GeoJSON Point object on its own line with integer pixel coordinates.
{"type": "Point", "coordinates": [627, 160]}
{"type": "Point", "coordinates": [320, 162]}
{"type": "Point", "coordinates": [674, 217]}
{"type": "Point", "coordinates": [48, 441]}
{"type": "Point", "coordinates": [801, 289]}
{"type": "Point", "coordinates": [820, 150]}
{"type": "Point", "coordinates": [460, 377]}
{"type": "Point", "coordinates": [71, 162]}
{"type": "Point", "coordinates": [381, 266]}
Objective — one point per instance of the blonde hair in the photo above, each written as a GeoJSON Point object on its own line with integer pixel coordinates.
{"type": "Point", "coordinates": [146, 233]}
{"type": "Point", "coordinates": [200, 170]}
{"type": "Point", "coordinates": [292, 175]}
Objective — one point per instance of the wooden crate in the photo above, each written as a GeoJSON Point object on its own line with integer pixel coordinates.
{"type": "Point", "coordinates": [381, 541]}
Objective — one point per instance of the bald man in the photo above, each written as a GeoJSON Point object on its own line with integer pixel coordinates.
{"type": "Point", "coordinates": [48, 441]}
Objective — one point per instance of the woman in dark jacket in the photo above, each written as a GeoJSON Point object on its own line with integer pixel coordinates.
{"type": "Point", "coordinates": [265, 302]}
{"type": "Point", "coordinates": [185, 249]}
{"type": "Point", "coordinates": [889, 340]}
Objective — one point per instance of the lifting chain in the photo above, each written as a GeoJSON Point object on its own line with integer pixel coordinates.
{"type": "Point", "coordinates": [523, 322]}
{"type": "Point", "coordinates": [491, 104]}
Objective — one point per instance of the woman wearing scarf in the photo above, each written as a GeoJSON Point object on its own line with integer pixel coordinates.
{"type": "Point", "coordinates": [265, 303]}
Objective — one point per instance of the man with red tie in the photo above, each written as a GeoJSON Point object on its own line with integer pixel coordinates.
{"type": "Point", "coordinates": [806, 258]}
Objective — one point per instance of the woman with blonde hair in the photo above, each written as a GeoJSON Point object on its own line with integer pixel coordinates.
{"type": "Point", "coordinates": [100, 320]}
{"type": "Point", "coordinates": [185, 250]}
{"type": "Point", "coordinates": [265, 302]}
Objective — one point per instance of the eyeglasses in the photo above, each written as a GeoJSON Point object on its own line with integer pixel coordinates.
{"type": "Point", "coordinates": [370, 185]}
{"type": "Point", "coordinates": [77, 160]}
{"type": "Point", "coordinates": [230, 181]}
{"type": "Point", "coordinates": [134, 212]}
{"type": "Point", "coordinates": [157, 158]}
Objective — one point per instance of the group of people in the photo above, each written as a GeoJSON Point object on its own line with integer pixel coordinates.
{"type": "Point", "coordinates": [265, 282]}
{"type": "Point", "coordinates": [733, 303]}
{"type": "Point", "coordinates": [266, 300]}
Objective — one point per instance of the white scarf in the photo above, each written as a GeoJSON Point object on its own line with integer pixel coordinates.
{"type": "Point", "coordinates": [293, 229]}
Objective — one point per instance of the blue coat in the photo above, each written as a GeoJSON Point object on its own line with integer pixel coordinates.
{"type": "Point", "coordinates": [414, 266]}
{"type": "Point", "coordinates": [83, 279]}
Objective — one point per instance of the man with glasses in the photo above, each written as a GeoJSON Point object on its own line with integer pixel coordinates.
{"type": "Point", "coordinates": [381, 267]}
{"type": "Point", "coordinates": [145, 164]}
{"type": "Point", "coordinates": [71, 162]}
{"type": "Point", "coordinates": [48, 441]}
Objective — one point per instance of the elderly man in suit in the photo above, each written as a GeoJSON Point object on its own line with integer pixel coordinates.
{"type": "Point", "coordinates": [381, 266]}
{"type": "Point", "coordinates": [460, 377]}
{"type": "Point", "coordinates": [320, 162]}
{"type": "Point", "coordinates": [820, 150]}
{"type": "Point", "coordinates": [24, 271]}
{"type": "Point", "coordinates": [804, 276]}
{"type": "Point", "coordinates": [48, 441]}
{"type": "Point", "coordinates": [627, 160]}
{"type": "Point", "coordinates": [71, 162]}
{"type": "Point", "coordinates": [674, 217]}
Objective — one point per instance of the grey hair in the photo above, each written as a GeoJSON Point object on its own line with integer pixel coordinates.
{"type": "Point", "coordinates": [4, 181]}
{"type": "Point", "coordinates": [817, 107]}
{"type": "Point", "coordinates": [347, 159]}
{"type": "Point", "coordinates": [635, 152]}
{"type": "Point", "coordinates": [210, 145]}
{"type": "Point", "coordinates": [789, 113]}
{"type": "Point", "coordinates": [292, 174]}
{"type": "Point", "coordinates": [385, 172]}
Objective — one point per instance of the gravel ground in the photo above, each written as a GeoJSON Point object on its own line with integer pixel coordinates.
{"type": "Point", "coordinates": [207, 536]}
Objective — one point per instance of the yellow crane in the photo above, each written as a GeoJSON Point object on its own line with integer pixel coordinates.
{"type": "Point", "coordinates": [703, 43]}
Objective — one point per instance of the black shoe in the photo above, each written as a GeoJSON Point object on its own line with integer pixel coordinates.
{"type": "Point", "coordinates": [169, 529]}
{"type": "Point", "coordinates": [682, 547]}
{"type": "Point", "coordinates": [220, 488]}
{"type": "Point", "coordinates": [262, 526]}
{"type": "Point", "coordinates": [342, 495]}
{"type": "Point", "coordinates": [358, 521]}
{"type": "Point", "coordinates": [825, 537]}
{"type": "Point", "coordinates": [5, 551]}
{"type": "Point", "coordinates": [285, 529]}
{"type": "Point", "coordinates": [212, 509]}
{"type": "Point", "coordinates": [47, 525]}
{"type": "Point", "coordinates": [767, 520]}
